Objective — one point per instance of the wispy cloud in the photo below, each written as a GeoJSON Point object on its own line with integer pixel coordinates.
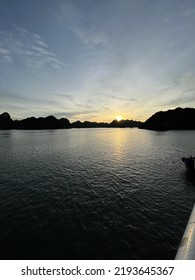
{"type": "Point", "coordinates": [28, 47]}
{"type": "Point", "coordinates": [4, 51]}
{"type": "Point", "coordinates": [165, 20]}
{"type": "Point", "coordinates": [182, 100]}
{"type": "Point", "coordinates": [13, 97]}
{"type": "Point", "coordinates": [89, 37]}
{"type": "Point", "coordinates": [75, 115]}
{"type": "Point", "coordinates": [185, 81]}
{"type": "Point", "coordinates": [63, 95]}
{"type": "Point", "coordinates": [39, 41]}
{"type": "Point", "coordinates": [110, 96]}
{"type": "Point", "coordinates": [187, 13]}
{"type": "Point", "coordinates": [72, 19]}
{"type": "Point", "coordinates": [5, 55]}
{"type": "Point", "coordinates": [178, 92]}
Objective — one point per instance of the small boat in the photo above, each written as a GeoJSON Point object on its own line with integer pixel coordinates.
{"type": "Point", "coordinates": [189, 162]}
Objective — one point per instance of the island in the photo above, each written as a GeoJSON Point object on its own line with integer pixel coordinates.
{"type": "Point", "coordinates": [52, 122]}
{"type": "Point", "coordinates": [175, 119]}
{"type": "Point", "coordinates": [49, 122]}
{"type": "Point", "coordinates": [114, 123]}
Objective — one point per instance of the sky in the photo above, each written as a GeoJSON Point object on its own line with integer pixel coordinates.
{"type": "Point", "coordinates": [96, 59]}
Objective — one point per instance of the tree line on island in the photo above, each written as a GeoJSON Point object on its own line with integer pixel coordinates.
{"type": "Point", "coordinates": [179, 118]}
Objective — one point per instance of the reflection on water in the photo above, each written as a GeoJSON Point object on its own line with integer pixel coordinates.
{"type": "Point", "coordinates": [5, 134]}
{"type": "Point", "coordinates": [94, 193]}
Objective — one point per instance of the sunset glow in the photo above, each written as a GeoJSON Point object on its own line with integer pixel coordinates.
{"type": "Point", "coordinates": [118, 118]}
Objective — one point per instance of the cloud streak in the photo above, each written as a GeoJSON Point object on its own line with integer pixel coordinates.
{"type": "Point", "coordinates": [5, 55]}
{"type": "Point", "coordinates": [187, 13]}
{"type": "Point", "coordinates": [72, 19]}
{"type": "Point", "coordinates": [28, 47]}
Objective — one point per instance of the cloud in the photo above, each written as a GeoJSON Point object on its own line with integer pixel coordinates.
{"type": "Point", "coordinates": [187, 13]}
{"type": "Point", "coordinates": [67, 96]}
{"type": "Point", "coordinates": [10, 96]}
{"type": "Point", "coordinates": [165, 20]}
{"type": "Point", "coordinates": [186, 81]}
{"type": "Point", "coordinates": [5, 55]}
{"type": "Point", "coordinates": [28, 47]}
{"type": "Point", "coordinates": [39, 41]}
{"type": "Point", "coordinates": [72, 19]}
{"type": "Point", "coordinates": [90, 36]}
{"type": "Point", "coordinates": [184, 99]}
{"type": "Point", "coordinates": [4, 51]}
{"type": "Point", "coordinates": [179, 92]}
{"type": "Point", "coordinates": [76, 114]}
{"type": "Point", "coordinates": [118, 97]}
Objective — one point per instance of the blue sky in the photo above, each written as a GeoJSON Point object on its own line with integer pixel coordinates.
{"type": "Point", "coordinates": [96, 59]}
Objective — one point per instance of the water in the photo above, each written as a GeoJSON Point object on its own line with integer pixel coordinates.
{"type": "Point", "coordinates": [94, 193]}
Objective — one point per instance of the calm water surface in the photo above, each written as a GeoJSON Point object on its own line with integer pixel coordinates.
{"type": "Point", "coordinates": [94, 193]}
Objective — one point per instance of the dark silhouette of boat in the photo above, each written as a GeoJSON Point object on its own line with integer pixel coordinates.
{"type": "Point", "coordinates": [189, 162]}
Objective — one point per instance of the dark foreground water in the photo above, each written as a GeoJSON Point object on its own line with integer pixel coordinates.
{"type": "Point", "coordinates": [94, 193]}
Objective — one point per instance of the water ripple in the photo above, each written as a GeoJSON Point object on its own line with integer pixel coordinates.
{"type": "Point", "coordinates": [94, 194]}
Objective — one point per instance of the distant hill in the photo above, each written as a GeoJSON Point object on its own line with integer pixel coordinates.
{"type": "Point", "coordinates": [125, 123]}
{"type": "Point", "coordinates": [114, 123]}
{"type": "Point", "coordinates": [86, 124]}
{"type": "Point", "coordinates": [51, 122]}
{"type": "Point", "coordinates": [6, 122]}
{"type": "Point", "coordinates": [179, 118]}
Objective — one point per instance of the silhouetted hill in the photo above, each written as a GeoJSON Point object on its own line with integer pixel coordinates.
{"type": "Point", "coordinates": [125, 123]}
{"type": "Point", "coordinates": [114, 123]}
{"type": "Point", "coordinates": [5, 121]}
{"type": "Point", "coordinates": [49, 122]}
{"type": "Point", "coordinates": [179, 118]}
{"type": "Point", "coordinates": [86, 124]}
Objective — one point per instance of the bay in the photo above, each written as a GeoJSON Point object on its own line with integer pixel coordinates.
{"type": "Point", "coordinates": [94, 193]}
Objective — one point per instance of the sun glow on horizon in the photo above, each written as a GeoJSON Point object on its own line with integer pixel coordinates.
{"type": "Point", "coordinates": [118, 118]}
